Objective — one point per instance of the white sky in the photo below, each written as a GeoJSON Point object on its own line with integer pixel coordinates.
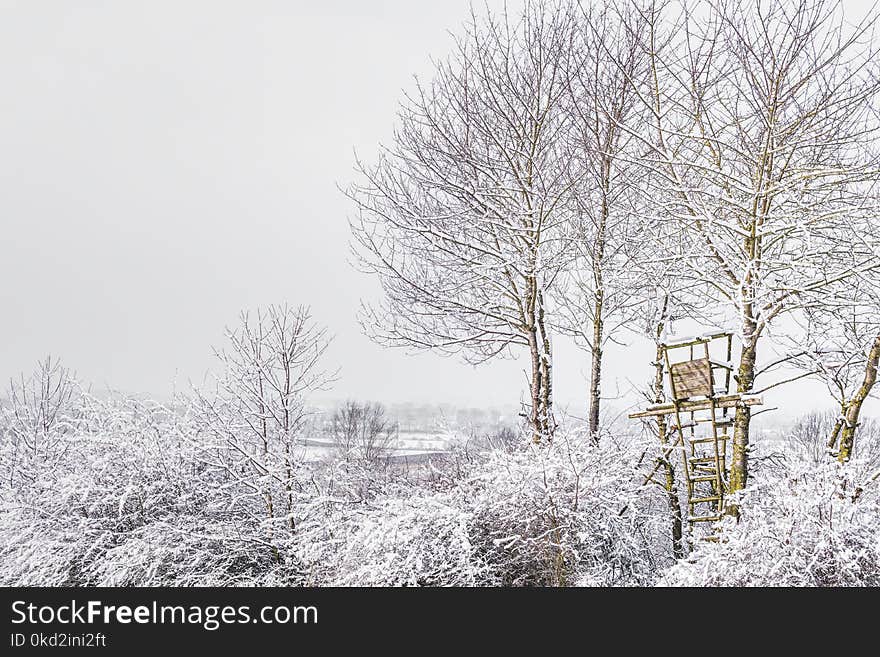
{"type": "Point", "coordinates": [165, 164]}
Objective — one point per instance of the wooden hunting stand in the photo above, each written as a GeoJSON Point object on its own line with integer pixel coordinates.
{"type": "Point", "coordinates": [701, 397]}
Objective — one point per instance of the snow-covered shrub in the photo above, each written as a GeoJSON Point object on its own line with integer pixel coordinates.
{"type": "Point", "coordinates": [129, 503]}
{"type": "Point", "coordinates": [194, 552]}
{"type": "Point", "coordinates": [135, 499]}
{"type": "Point", "coordinates": [566, 513]}
{"type": "Point", "coordinates": [819, 525]}
{"type": "Point", "coordinates": [190, 552]}
{"type": "Point", "coordinates": [419, 540]}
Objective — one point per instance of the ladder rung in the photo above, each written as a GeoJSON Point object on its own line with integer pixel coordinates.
{"type": "Point", "coordinates": [725, 421]}
{"type": "Point", "coordinates": [698, 475]}
{"type": "Point", "coordinates": [704, 518]}
{"type": "Point", "coordinates": [702, 441]}
{"type": "Point", "coordinates": [703, 500]}
{"type": "Point", "coordinates": [697, 460]}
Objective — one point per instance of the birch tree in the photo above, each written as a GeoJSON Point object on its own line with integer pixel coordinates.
{"type": "Point", "coordinates": [762, 117]}
{"type": "Point", "coordinates": [461, 217]}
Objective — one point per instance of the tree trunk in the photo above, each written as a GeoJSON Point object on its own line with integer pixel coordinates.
{"type": "Point", "coordinates": [596, 351]}
{"type": "Point", "coordinates": [540, 413]}
{"type": "Point", "coordinates": [669, 483]}
{"type": "Point", "coordinates": [596, 354]}
{"type": "Point", "coordinates": [838, 426]}
{"type": "Point", "coordinates": [669, 470]}
{"type": "Point", "coordinates": [535, 387]}
{"type": "Point", "coordinates": [546, 372]}
{"type": "Point", "coordinates": [739, 467]}
{"type": "Point", "coordinates": [854, 407]}
{"type": "Point", "coordinates": [672, 498]}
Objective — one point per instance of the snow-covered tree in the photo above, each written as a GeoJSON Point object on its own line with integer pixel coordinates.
{"type": "Point", "coordinates": [841, 343]}
{"type": "Point", "coordinates": [597, 289]}
{"type": "Point", "coordinates": [461, 219]}
{"type": "Point", "coordinates": [362, 431]}
{"type": "Point", "coordinates": [250, 423]}
{"type": "Point", "coordinates": [763, 116]}
{"type": "Point", "coordinates": [36, 422]}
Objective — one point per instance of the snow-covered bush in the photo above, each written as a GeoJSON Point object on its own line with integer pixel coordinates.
{"type": "Point", "coordinates": [564, 513]}
{"type": "Point", "coordinates": [567, 513]}
{"type": "Point", "coordinates": [128, 503]}
{"type": "Point", "coordinates": [819, 525]}
{"type": "Point", "coordinates": [420, 540]}
{"type": "Point", "coordinates": [190, 552]}
{"type": "Point", "coordinates": [131, 497]}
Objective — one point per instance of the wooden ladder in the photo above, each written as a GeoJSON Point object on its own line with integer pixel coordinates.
{"type": "Point", "coordinates": [704, 456]}
{"type": "Point", "coordinates": [706, 474]}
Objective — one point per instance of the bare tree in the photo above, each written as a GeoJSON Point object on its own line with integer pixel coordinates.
{"type": "Point", "coordinates": [841, 344]}
{"type": "Point", "coordinates": [272, 363]}
{"type": "Point", "coordinates": [363, 431]}
{"type": "Point", "coordinates": [605, 230]}
{"type": "Point", "coordinates": [762, 120]}
{"type": "Point", "coordinates": [38, 418]}
{"type": "Point", "coordinates": [462, 217]}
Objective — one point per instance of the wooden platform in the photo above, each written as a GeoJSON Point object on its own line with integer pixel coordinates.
{"type": "Point", "coordinates": [724, 401]}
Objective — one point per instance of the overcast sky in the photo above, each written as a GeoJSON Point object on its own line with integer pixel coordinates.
{"type": "Point", "coordinates": [164, 165]}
